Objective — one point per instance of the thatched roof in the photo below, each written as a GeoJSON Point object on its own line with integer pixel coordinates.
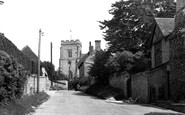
{"type": "Point", "coordinates": [29, 53]}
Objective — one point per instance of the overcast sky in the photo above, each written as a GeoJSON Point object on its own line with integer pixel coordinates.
{"type": "Point", "coordinates": [22, 19]}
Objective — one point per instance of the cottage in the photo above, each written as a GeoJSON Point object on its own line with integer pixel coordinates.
{"type": "Point", "coordinates": [158, 81]}
{"type": "Point", "coordinates": [87, 60]}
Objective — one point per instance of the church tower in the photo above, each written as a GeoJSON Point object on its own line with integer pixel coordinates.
{"type": "Point", "coordinates": [70, 54]}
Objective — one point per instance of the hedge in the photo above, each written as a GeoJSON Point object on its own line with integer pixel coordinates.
{"type": "Point", "coordinates": [7, 46]}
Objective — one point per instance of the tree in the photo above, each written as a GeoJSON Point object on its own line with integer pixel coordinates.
{"type": "Point", "coordinates": [129, 28]}
{"type": "Point", "coordinates": [49, 69]}
{"type": "Point", "coordinates": [98, 69]}
{"type": "Point", "coordinates": [120, 62]}
{"type": "Point", "coordinates": [165, 9]}
{"type": "Point", "coordinates": [12, 78]}
{"type": "Point", "coordinates": [139, 63]}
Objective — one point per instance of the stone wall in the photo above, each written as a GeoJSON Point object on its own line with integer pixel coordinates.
{"type": "Point", "coordinates": [61, 84]}
{"type": "Point", "coordinates": [31, 84]}
{"type": "Point", "coordinates": [119, 82]}
{"type": "Point", "coordinates": [157, 84]}
{"type": "Point", "coordinates": [140, 87]}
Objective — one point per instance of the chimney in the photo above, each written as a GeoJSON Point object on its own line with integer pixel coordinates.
{"type": "Point", "coordinates": [90, 48]}
{"type": "Point", "coordinates": [180, 5]}
{"type": "Point", "coordinates": [97, 45]}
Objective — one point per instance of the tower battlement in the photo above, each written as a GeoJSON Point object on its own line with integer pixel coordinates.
{"type": "Point", "coordinates": [69, 42]}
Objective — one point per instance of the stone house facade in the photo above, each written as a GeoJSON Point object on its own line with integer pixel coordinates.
{"type": "Point", "coordinates": [70, 54]}
{"type": "Point", "coordinates": [158, 80]}
{"type": "Point", "coordinates": [87, 60]}
{"type": "Point", "coordinates": [166, 80]}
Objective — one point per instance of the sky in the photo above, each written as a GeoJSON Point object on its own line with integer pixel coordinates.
{"type": "Point", "coordinates": [20, 21]}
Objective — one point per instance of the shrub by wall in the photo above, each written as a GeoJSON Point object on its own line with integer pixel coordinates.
{"type": "Point", "coordinates": [7, 46]}
{"type": "Point", "coordinates": [119, 82]}
{"type": "Point", "coordinates": [12, 78]}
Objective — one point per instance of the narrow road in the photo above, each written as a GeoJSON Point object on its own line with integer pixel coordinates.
{"type": "Point", "coordinates": [77, 103]}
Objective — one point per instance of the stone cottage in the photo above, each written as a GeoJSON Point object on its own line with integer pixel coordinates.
{"type": "Point", "coordinates": [87, 59]}
{"type": "Point", "coordinates": [158, 81]}
{"type": "Point", "coordinates": [166, 80]}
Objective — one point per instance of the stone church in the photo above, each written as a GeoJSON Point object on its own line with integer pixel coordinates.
{"type": "Point", "coordinates": [70, 54]}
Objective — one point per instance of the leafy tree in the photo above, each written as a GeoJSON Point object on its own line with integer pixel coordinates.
{"type": "Point", "coordinates": [62, 76]}
{"type": "Point", "coordinates": [165, 9]}
{"type": "Point", "coordinates": [139, 63]}
{"type": "Point", "coordinates": [128, 62]}
{"type": "Point", "coordinates": [12, 78]}
{"type": "Point", "coordinates": [120, 62]}
{"type": "Point", "coordinates": [49, 68]}
{"type": "Point", "coordinates": [129, 28]}
{"type": "Point", "coordinates": [99, 70]}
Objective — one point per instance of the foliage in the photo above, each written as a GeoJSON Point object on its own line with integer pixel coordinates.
{"type": "Point", "coordinates": [49, 69]}
{"type": "Point", "coordinates": [12, 78]}
{"type": "Point", "coordinates": [120, 62]}
{"type": "Point", "coordinates": [7, 46]}
{"type": "Point", "coordinates": [177, 62]}
{"type": "Point", "coordinates": [98, 70]}
{"type": "Point", "coordinates": [139, 63]}
{"type": "Point", "coordinates": [24, 105]}
{"type": "Point", "coordinates": [128, 62]}
{"type": "Point", "coordinates": [129, 28]}
{"type": "Point", "coordinates": [60, 76]}
{"type": "Point", "coordinates": [165, 9]}
{"type": "Point", "coordinates": [105, 91]}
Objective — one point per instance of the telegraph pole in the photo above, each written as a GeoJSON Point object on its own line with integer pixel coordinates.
{"type": "Point", "coordinates": [40, 34]}
{"type": "Point", "coordinates": [51, 64]}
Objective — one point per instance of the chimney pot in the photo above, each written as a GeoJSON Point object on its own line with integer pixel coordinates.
{"type": "Point", "coordinates": [97, 45]}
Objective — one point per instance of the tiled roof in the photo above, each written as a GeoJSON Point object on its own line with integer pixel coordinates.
{"type": "Point", "coordinates": [84, 57]}
{"type": "Point", "coordinates": [166, 25]}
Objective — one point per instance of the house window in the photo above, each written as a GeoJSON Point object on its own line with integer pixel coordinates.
{"type": "Point", "coordinates": [158, 54]}
{"type": "Point", "coordinates": [69, 52]}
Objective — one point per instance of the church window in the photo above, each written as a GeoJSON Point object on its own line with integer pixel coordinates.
{"type": "Point", "coordinates": [69, 52]}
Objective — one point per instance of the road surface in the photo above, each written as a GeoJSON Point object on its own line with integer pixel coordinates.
{"type": "Point", "coordinates": [77, 103]}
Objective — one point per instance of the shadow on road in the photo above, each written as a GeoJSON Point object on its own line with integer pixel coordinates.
{"type": "Point", "coordinates": [79, 93]}
{"type": "Point", "coordinates": [159, 113]}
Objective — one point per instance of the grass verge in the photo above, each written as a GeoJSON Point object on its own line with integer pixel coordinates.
{"type": "Point", "coordinates": [23, 106]}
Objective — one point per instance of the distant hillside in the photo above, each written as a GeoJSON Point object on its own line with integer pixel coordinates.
{"type": "Point", "coordinates": [7, 46]}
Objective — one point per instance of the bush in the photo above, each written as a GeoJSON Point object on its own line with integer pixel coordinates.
{"type": "Point", "coordinates": [105, 92]}
{"type": "Point", "coordinates": [24, 105]}
{"type": "Point", "coordinates": [12, 78]}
